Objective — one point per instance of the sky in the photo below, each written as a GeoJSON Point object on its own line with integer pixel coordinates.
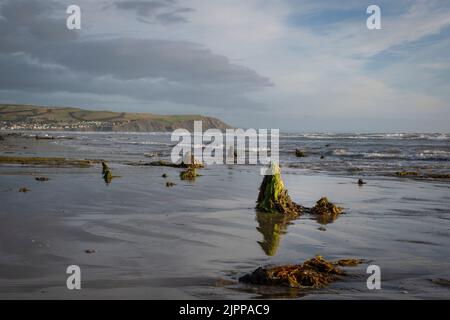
{"type": "Point", "coordinates": [295, 65]}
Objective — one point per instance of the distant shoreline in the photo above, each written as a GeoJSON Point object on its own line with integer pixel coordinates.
{"type": "Point", "coordinates": [43, 118]}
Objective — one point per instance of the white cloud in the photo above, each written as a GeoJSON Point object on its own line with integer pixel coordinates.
{"type": "Point", "coordinates": [316, 73]}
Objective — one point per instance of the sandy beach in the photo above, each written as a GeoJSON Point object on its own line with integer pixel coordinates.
{"type": "Point", "coordinates": [137, 238]}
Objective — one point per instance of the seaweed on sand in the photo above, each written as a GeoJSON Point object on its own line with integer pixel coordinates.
{"type": "Point", "coordinates": [439, 176]}
{"type": "Point", "coordinates": [42, 179]}
{"type": "Point", "coordinates": [406, 173]}
{"type": "Point", "coordinates": [189, 174]}
{"type": "Point", "coordinates": [300, 153]}
{"type": "Point", "coordinates": [188, 162]}
{"type": "Point", "coordinates": [105, 168]}
{"type": "Point", "coordinates": [107, 173]}
{"type": "Point", "coordinates": [313, 273]}
{"type": "Point", "coordinates": [56, 162]}
{"type": "Point", "coordinates": [417, 175]}
{"type": "Point", "coordinates": [325, 211]}
{"type": "Point", "coordinates": [273, 196]}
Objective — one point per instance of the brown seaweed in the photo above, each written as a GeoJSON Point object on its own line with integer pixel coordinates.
{"type": "Point", "coordinates": [325, 211]}
{"type": "Point", "coordinates": [56, 162]}
{"type": "Point", "coordinates": [189, 174]}
{"type": "Point", "coordinates": [42, 179]}
{"type": "Point", "coordinates": [313, 273]}
{"type": "Point", "coordinates": [299, 153]}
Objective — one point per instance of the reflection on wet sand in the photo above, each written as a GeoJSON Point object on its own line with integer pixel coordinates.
{"type": "Point", "coordinates": [326, 218]}
{"type": "Point", "coordinates": [272, 226]}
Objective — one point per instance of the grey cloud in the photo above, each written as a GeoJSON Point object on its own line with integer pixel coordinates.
{"type": "Point", "coordinates": [27, 24]}
{"type": "Point", "coordinates": [161, 11]}
{"type": "Point", "coordinates": [39, 54]}
{"type": "Point", "coordinates": [20, 72]}
{"type": "Point", "coordinates": [129, 58]}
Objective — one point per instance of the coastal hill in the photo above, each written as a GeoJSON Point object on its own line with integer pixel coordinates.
{"type": "Point", "coordinates": [30, 117]}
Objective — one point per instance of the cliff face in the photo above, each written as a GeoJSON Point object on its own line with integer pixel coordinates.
{"type": "Point", "coordinates": [29, 117]}
{"type": "Point", "coordinates": [147, 125]}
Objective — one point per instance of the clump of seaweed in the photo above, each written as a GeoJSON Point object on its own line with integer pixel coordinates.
{"type": "Point", "coordinates": [274, 197]}
{"type": "Point", "coordinates": [417, 175]}
{"type": "Point", "coordinates": [107, 173]}
{"type": "Point", "coordinates": [42, 179]}
{"type": "Point", "coordinates": [299, 153]}
{"type": "Point", "coordinates": [439, 176]}
{"type": "Point", "coordinates": [44, 137]}
{"type": "Point", "coordinates": [326, 211]}
{"type": "Point", "coordinates": [170, 184]}
{"type": "Point", "coordinates": [349, 262]}
{"type": "Point", "coordinates": [46, 161]}
{"type": "Point", "coordinates": [441, 281]}
{"type": "Point", "coordinates": [189, 174]}
{"type": "Point", "coordinates": [24, 189]}
{"type": "Point", "coordinates": [406, 173]}
{"type": "Point", "coordinates": [188, 162]}
{"type": "Point", "coordinates": [313, 273]}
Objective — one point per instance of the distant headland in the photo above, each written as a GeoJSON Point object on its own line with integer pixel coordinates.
{"type": "Point", "coordinates": [32, 117]}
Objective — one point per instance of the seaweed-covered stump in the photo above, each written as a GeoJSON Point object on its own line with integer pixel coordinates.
{"type": "Point", "coordinates": [106, 172]}
{"type": "Point", "coordinates": [326, 211]}
{"type": "Point", "coordinates": [313, 273]}
{"type": "Point", "coordinates": [300, 153]}
{"type": "Point", "coordinates": [189, 174]}
{"type": "Point", "coordinates": [274, 197]}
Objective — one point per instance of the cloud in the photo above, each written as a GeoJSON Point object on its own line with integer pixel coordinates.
{"type": "Point", "coordinates": [160, 11]}
{"type": "Point", "coordinates": [182, 72]}
{"type": "Point", "coordinates": [287, 63]}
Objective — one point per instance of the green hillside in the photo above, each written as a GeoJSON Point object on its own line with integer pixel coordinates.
{"type": "Point", "coordinates": [114, 121]}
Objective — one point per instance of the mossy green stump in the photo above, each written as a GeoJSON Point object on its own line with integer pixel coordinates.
{"type": "Point", "coordinates": [273, 196]}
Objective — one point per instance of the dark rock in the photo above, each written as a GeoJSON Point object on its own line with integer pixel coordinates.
{"type": "Point", "coordinates": [42, 179]}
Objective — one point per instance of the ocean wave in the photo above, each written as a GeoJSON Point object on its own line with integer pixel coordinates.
{"type": "Point", "coordinates": [395, 154]}
{"type": "Point", "coordinates": [369, 136]}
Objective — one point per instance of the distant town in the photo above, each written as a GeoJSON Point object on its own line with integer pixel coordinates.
{"type": "Point", "coordinates": [74, 126]}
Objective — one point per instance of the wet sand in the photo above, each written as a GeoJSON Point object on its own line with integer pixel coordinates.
{"type": "Point", "coordinates": [195, 239]}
